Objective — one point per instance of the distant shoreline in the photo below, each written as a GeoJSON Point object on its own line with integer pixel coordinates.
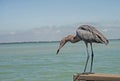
{"type": "Point", "coordinates": [30, 42]}
{"type": "Point", "coordinates": [42, 42]}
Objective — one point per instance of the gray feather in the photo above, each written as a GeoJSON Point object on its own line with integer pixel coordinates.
{"type": "Point", "coordinates": [91, 34]}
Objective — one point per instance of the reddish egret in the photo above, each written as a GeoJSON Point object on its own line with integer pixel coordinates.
{"type": "Point", "coordinates": [88, 34]}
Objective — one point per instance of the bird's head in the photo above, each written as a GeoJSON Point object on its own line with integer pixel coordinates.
{"type": "Point", "coordinates": [62, 43]}
{"type": "Point", "coordinates": [71, 38]}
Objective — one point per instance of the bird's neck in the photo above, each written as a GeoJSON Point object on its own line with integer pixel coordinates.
{"type": "Point", "coordinates": [72, 39]}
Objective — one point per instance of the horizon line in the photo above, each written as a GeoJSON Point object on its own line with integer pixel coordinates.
{"type": "Point", "coordinates": [20, 42]}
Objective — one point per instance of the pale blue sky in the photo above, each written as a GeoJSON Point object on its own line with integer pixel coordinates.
{"type": "Point", "coordinates": [18, 17]}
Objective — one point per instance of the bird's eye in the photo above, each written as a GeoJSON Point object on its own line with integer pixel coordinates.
{"type": "Point", "coordinates": [73, 37]}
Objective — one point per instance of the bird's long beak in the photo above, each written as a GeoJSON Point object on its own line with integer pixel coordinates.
{"type": "Point", "coordinates": [62, 43]}
{"type": "Point", "coordinates": [57, 51]}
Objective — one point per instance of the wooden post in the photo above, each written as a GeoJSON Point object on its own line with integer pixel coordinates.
{"type": "Point", "coordinates": [96, 77]}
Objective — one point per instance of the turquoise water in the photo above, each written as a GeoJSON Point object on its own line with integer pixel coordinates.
{"type": "Point", "coordinates": [39, 62]}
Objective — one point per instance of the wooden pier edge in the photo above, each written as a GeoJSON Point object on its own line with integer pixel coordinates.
{"type": "Point", "coordinates": [96, 77]}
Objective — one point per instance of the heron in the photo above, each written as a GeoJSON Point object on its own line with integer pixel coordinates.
{"type": "Point", "coordinates": [89, 34]}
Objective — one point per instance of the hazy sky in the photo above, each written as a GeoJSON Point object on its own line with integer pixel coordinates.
{"type": "Point", "coordinates": [47, 20]}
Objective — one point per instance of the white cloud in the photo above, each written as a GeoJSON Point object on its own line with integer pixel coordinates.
{"type": "Point", "coordinates": [105, 30]}
{"type": "Point", "coordinates": [58, 31]}
{"type": "Point", "coordinates": [12, 33]}
{"type": "Point", "coordinates": [53, 33]}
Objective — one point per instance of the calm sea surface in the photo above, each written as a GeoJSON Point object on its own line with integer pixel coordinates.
{"type": "Point", "coordinates": [39, 62]}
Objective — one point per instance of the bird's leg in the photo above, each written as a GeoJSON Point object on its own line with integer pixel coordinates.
{"type": "Point", "coordinates": [92, 55]}
{"type": "Point", "coordinates": [87, 57]}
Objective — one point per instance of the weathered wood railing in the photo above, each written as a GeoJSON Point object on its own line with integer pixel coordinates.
{"type": "Point", "coordinates": [96, 77]}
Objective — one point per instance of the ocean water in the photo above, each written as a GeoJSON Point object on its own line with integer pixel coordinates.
{"type": "Point", "coordinates": [39, 62]}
